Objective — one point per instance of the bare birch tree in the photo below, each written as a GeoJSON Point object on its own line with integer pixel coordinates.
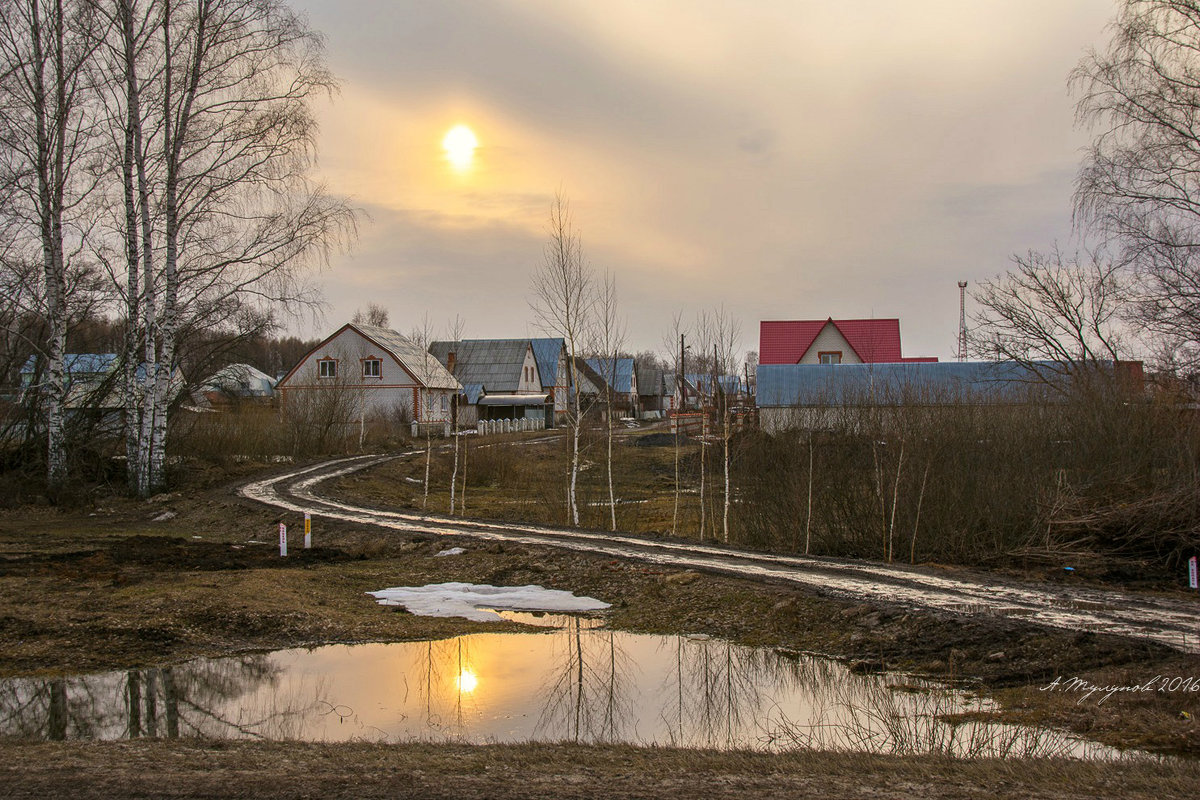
{"type": "Point", "coordinates": [610, 338]}
{"type": "Point", "coordinates": [726, 335]}
{"type": "Point", "coordinates": [563, 289]}
{"type": "Point", "coordinates": [455, 332]}
{"type": "Point", "coordinates": [226, 143]}
{"type": "Point", "coordinates": [675, 345]}
{"type": "Point", "coordinates": [47, 132]}
{"type": "Point", "coordinates": [1139, 185]}
{"type": "Point", "coordinates": [423, 335]}
{"type": "Point", "coordinates": [1050, 313]}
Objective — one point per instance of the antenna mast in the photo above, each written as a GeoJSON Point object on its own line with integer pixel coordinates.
{"type": "Point", "coordinates": [962, 320]}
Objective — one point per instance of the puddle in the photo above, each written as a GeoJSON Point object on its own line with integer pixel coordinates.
{"type": "Point", "coordinates": [543, 619]}
{"type": "Point", "coordinates": [574, 684]}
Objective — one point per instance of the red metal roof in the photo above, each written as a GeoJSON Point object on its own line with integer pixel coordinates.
{"type": "Point", "coordinates": [875, 341]}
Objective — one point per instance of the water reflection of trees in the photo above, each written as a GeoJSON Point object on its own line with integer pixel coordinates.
{"type": "Point", "coordinates": [588, 696]}
{"type": "Point", "coordinates": [211, 698]}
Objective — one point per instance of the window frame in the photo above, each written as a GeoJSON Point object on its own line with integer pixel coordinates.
{"type": "Point", "coordinates": [821, 357]}
{"type": "Point", "coordinates": [378, 362]}
{"type": "Point", "coordinates": [324, 373]}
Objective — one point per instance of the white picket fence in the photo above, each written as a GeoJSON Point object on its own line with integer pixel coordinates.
{"type": "Point", "coordinates": [490, 426]}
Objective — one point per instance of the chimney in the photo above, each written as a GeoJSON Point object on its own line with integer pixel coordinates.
{"type": "Point", "coordinates": [450, 359]}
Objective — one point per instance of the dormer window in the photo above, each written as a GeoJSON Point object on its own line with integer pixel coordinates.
{"type": "Point", "coordinates": [372, 368]}
{"type": "Point", "coordinates": [830, 357]}
{"type": "Point", "coordinates": [327, 368]}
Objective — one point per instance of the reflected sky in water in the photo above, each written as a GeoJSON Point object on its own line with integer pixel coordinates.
{"type": "Point", "coordinates": [575, 684]}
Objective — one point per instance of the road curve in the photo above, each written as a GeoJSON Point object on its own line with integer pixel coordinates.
{"type": "Point", "coordinates": [1167, 620]}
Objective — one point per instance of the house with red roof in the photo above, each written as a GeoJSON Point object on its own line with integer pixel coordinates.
{"type": "Point", "coordinates": [832, 341]}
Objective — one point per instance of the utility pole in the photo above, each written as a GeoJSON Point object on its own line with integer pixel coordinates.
{"type": "Point", "coordinates": [962, 320]}
{"type": "Point", "coordinates": [682, 378]}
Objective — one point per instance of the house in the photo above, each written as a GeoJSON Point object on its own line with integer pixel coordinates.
{"type": "Point", "coordinates": [830, 341]}
{"type": "Point", "coordinates": [551, 355]}
{"type": "Point", "coordinates": [504, 377]}
{"type": "Point", "coordinates": [232, 384]}
{"type": "Point", "coordinates": [618, 377]}
{"type": "Point", "coordinates": [732, 386]}
{"type": "Point", "coordinates": [94, 381]}
{"type": "Point", "coordinates": [810, 396]}
{"type": "Point", "coordinates": [652, 394]}
{"type": "Point", "coordinates": [370, 371]}
{"type": "Point", "coordinates": [679, 392]}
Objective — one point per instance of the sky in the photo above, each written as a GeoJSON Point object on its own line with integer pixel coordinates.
{"type": "Point", "coordinates": [784, 159]}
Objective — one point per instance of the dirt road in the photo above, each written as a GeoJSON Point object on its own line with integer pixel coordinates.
{"type": "Point", "coordinates": [1168, 620]}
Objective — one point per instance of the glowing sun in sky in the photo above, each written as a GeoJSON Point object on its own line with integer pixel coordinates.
{"type": "Point", "coordinates": [459, 144]}
{"type": "Point", "coordinates": [467, 681]}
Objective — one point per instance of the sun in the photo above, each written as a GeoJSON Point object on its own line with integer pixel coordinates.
{"type": "Point", "coordinates": [467, 681]}
{"type": "Point", "coordinates": [459, 144]}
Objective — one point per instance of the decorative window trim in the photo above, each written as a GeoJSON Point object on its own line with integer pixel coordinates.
{"type": "Point", "coordinates": [327, 373]}
{"type": "Point", "coordinates": [821, 356]}
{"type": "Point", "coordinates": [377, 361]}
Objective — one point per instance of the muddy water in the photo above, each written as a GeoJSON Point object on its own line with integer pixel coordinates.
{"type": "Point", "coordinates": [574, 684]}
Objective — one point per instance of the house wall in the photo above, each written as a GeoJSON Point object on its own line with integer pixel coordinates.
{"type": "Point", "coordinates": [829, 339]}
{"type": "Point", "coordinates": [562, 386]}
{"type": "Point", "coordinates": [531, 382]}
{"type": "Point", "coordinates": [394, 391]}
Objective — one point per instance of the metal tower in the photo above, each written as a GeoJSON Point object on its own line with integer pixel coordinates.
{"type": "Point", "coordinates": [962, 320]}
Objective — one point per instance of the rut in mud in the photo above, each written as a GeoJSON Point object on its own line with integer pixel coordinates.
{"type": "Point", "coordinates": [1165, 620]}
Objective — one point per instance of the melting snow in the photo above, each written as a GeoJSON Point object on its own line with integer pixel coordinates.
{"type": "Point", "coordinates": [473, 600]}
{"type": "Point", "coordinates": [453, 551]}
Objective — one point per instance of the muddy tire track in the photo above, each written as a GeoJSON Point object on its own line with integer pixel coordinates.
{"type": "Point", "coordinates": [1171, 621]}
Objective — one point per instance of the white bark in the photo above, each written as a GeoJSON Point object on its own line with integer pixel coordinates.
{"type": "Point", "coordinates": [563, 299]}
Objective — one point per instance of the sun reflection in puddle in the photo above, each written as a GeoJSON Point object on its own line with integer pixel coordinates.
{"type": "Point", "coordinates": [573, 684]}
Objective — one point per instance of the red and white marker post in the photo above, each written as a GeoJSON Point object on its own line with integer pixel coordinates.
{"type": "Point", "coordinates": [282, 540]}
{"type": "Point", "coordinates": [307, 530]}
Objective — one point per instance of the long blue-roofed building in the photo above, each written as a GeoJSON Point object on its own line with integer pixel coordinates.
{"type": "Point", "coordinates": [808, 395]}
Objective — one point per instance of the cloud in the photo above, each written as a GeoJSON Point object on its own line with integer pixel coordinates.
{"type": "Point", "coordinates": [787, 159]}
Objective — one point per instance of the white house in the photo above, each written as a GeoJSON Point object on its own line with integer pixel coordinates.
{"type": "Point", "coordinates": [378, 371]}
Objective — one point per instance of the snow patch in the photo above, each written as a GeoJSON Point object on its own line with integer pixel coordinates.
{"type": "Point", "coordinates": [453, 551]}
{"type": "Point", "coordinates": [473, 601]}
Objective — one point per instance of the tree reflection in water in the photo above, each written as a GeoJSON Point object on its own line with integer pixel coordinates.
{"type": "Point", "coordinates": [190, 700]}
{"type": "Point", "coordinates": [588, 698]}
{"type": "Point", "coordinates": [576, 684]}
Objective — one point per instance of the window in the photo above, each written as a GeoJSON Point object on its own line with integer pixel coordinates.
{"type": "Point", "coordinates": [372, 367]}
{"type": "Point", "coordinates": [327, 368]}
{"type": "Point", "coordinates": [831, 357]}
{"type": "Point", "coordinates": [445, 404]}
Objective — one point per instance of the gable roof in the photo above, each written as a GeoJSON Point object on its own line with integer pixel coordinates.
{"type": "Point", "coordinates": [495, 363]}
{"type": "Point", "coordinates": [649, 381]}
{"type": "Point", "coordinates": [547, 352]}
{"type": "Point", "coordinates": [239, 379]}
{"type": "Point", "coordinates": [874, 341]}
{"type": "Point", "coordinates": [730, 384]}
{"type": "Point", "coordinates": [408, 354]}
{"type": "Point", "coordinates": [619, 370]}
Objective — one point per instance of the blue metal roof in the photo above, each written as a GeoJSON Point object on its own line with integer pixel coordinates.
{"type": "Point", "coordinates": [617, 371]}
{"type": "Point", "coordinates": [546, 352]}
{"type": "Point", "coordinates": [730, 384]}
{"type": "Point", "coordinates": [781, 385]}
{"type": "Point", "coordinates": [473, 391]}
{"type": "Point", "coordinates": [79, 363]}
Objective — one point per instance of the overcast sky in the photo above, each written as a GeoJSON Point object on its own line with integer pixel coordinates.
{"type": "Point", "coordinates": [789, 159]}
